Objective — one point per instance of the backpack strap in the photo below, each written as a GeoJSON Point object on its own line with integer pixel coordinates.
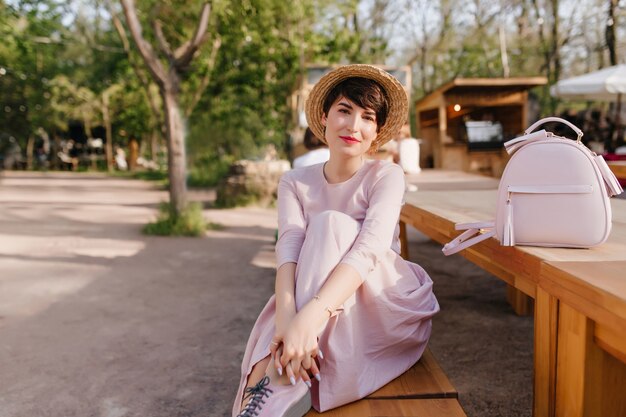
{"type": "Point", "coordinates": [579, 133]}
{"type": "Point", "coordinates": [475, 233]}
{"type": "Point", "coordinates": [513, 145]}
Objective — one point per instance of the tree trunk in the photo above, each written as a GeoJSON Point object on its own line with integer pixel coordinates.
{"type": "Point", "coordinates": [169, 87]}
{"type": "Point", "coordinates": [176, 148]}
{"type": "Point", "coordinates": [154, 146]}
{"type": "Point", "coordinates": [610, 32]}
{"type": "Point", "coordinates": [555, 52]}
{"type": "Point", "coordinates": [107, 127]}
{"type": "Point", "coordinates": [30, 146]}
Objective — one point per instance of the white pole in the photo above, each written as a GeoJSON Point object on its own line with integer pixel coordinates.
{"type": "Point", "coordinates": [503, 54]}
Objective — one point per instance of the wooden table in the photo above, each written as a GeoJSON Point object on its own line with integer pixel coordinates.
{"type": "Point", "coordinates": [618, 168]}
{"type": "Point", "coordinates": [579, 296]}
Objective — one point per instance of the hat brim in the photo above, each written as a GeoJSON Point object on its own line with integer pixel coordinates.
{"type": "Point", "coordinates": [396, 96]}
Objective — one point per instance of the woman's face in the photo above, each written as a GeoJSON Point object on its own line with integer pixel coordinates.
{"type": "Point", "coordinates": [350, 129]}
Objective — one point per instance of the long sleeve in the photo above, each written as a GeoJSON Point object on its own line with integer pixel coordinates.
{"type": "Point", "coordinates": [291, 223]}
{"type": "Point", "coordinates": [381, 219]}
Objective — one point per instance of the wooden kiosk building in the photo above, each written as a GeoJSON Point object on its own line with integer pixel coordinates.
{"type": "Point", "coordinates": [463, 123]}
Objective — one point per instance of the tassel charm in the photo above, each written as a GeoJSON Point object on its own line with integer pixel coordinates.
{"type": "Point", "coordinates": [613, 187]}
{"type": "Point", "coordinates": [508, 238]}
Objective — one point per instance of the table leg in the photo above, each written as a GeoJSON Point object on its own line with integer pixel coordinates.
{"type": "Point", "coordinates": [404, 244]}
{"type": "Point", "coordinates": [520, 302]}
{"type": "Point", "coordinates": [589, 381]}
{"type": "Point", "coordinates": [546, 315]}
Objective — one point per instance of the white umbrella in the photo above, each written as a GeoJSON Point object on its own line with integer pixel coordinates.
{"type": "Point", "coordinates": [603, 85]}
{"type": "Point", "coordinates": [607, 84]}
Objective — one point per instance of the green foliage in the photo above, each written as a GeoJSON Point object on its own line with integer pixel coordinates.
{"type": "Point", "coordinates": [264, 43]}
{"type": "Point", "coordinates": [58, 62]}
{"type": "Point", "coordinates": [69, 66]}
{"type": "Point", "coordinates": [208, 169]}
{"type": "Point", "coordinates": [239, 198]}
{"type": "Point", "coordinates": [245, 106]}
{"type": "Point", "coordinates": [29, 56]}
{"type": "Point", "coordinates": [129, 107]}
{"type": "Point", "coordinates": [189, 222]}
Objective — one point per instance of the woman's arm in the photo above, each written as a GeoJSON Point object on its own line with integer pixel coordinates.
{"type": "Point", "coordinates": [285, 300]}
{"type": "Point", "coordinates": [291, 229]}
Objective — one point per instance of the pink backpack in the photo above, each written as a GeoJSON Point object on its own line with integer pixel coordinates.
{"type": "Point", "coordinates": [554, 192]}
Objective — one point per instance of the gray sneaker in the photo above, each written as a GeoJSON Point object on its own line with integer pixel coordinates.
{"type": "Point", "coordinates": [267, 400]}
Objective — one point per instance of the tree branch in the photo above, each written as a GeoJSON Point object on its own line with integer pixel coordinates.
{"type": "Point", "coordinates": [139, 71]}
{"type": "Point", "coordinates": [184, 53]}
{"type": "Point", "coordinates": [163, 44]}
{"type": "Point", "coordinates": [217, 43]}
{"type": "Point", "coordinates": [143, 79]}
{"type": "Point", "coordinates": [145, 49]}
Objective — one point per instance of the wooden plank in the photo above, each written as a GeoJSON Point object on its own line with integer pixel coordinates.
{"type": "Point", "coordinates": [546, 315]}
{"type": "Point", "coordinates": [597, 290]}
{"type": "Point", "coordinates": [489, 254]}
{"type": "Point", "coordinates": [448, 407]}
{"type": "Point", "coordinates": [618, 168]}
{"type": "Point", "coordinates": [452, 207]}
{"type": "Point", "coordinates": [425, 379]}
{"type": "Point", "coordinates": [404, 244]}
{"type": "Point", "coordinates": [521, 303]}
{"type": "Point", "coordinates": [611, 340]}
{"type": "Point", "coordinates": [440, 180]}
{"type": "Point", "coordinates": [574, 333]}
{"type": "Point", "coordinates": [589, 382]}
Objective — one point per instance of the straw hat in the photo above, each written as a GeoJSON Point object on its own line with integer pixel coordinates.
{"type": "Point", "coordinates": [396, 96]}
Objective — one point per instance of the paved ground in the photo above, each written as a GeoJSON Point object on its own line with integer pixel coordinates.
{"type": "Point", "coordinates": [98, 320]}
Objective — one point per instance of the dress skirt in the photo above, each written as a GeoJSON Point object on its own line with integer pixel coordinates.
{"type": "Point", "coordinates": [378, 333]}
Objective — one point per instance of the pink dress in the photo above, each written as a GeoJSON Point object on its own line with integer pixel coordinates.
{"type": "Point", "coordinates": [380, 331]}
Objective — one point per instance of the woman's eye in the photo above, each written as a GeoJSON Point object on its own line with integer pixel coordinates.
{"type": "Point", "coordinates": [344, 111]}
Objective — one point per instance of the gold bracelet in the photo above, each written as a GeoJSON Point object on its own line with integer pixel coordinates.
{"type": "Point", "coordinates": [327, 308]}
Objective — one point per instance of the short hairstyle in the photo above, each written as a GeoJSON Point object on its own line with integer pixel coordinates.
{"type": "Point", "coordinates": [365, 93]}
{"type": "Point", "coordinates": [311, 141]}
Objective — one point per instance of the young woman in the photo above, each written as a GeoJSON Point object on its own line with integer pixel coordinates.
{"type": "Point", "coordinates": [348, 314]}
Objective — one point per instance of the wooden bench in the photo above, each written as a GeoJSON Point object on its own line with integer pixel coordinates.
{"type": "Point", "coordinates": [424, 390]}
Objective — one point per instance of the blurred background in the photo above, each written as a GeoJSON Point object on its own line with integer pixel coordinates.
{"type": "Point", "coordinates": [76, 94]}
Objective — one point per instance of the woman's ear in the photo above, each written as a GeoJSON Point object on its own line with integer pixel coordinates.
{"type": "Point", "coordinates": [324, 120]}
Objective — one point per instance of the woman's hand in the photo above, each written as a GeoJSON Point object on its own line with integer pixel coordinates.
{"type": "Point", "coordinates": [299, 348]}
{"type": "Point", "coordinates": [281, 323]}
{"type": "Point", "coordinates": [314, 371]}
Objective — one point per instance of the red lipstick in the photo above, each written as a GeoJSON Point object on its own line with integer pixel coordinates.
{"type": "Point", "coordinates": [349, 139]}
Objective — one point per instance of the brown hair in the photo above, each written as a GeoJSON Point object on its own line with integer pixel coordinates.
{"type": "Point", "coordinates": [365, 93]}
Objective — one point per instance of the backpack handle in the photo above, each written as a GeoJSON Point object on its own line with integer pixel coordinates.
{"type": "Point", "coordinates": [538, 123]}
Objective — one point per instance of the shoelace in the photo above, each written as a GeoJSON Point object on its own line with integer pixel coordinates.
{"type": "Point", "coordinates": [257, 392]}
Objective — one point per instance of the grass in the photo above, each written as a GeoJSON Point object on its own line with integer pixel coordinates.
{"type": "Point", "coordinates": [159, 177]}
{"type": "Point", "coordinates": [188, 223]}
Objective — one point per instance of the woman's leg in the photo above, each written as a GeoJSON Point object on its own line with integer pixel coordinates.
{"type": "Point", "coordinates": [265, 367]}
{"type": "Point", "coordinates": [329, 236]}
{"type": "Point", "coordinates": [257, 373]}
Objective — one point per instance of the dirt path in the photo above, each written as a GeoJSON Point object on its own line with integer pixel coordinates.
{"type": "Point", "coordinates": [98, 320]}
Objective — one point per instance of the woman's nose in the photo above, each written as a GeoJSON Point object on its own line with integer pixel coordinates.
{"type": "Point", "coordinates": [353, 124]}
